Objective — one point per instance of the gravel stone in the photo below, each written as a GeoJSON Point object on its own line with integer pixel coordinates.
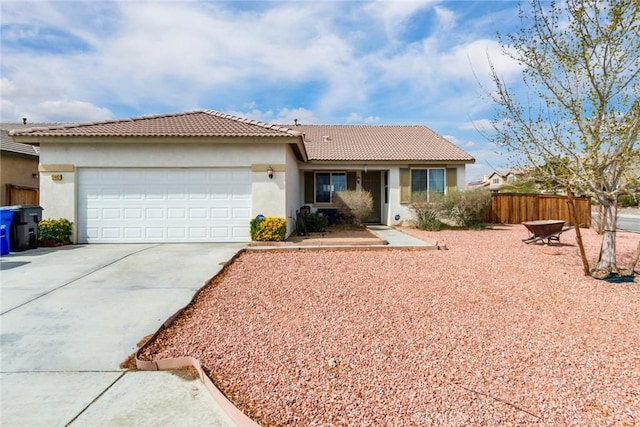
{"type": "Point", "coordinates": [490, 332]}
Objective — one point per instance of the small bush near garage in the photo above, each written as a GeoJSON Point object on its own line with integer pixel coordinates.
{"type": "Point", "coordinates": [55, 230]}
{"type": "Point", "coordinates": [354, 206]}
{"type": "Point", "coordinates": [268, 229]}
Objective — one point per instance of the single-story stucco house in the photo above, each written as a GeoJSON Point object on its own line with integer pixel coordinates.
{"type": "Point", "coordinates": [201, 176]}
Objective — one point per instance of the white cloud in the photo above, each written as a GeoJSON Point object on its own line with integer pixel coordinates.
{"type": "Point", "coordinates": [319, 62]}
{"type": "Point", "coordinates": [283, 116]}
{"type": "Point", "coordinates": [394, 14]}
{"type": "Point", "coordinates": [481, 125]}
{"type": "Point", "coordinates": [67, 111]}
{"type": "Point", "coordinates": [287, 116]}
{"type": "Point", "coordinates": [357, 118]}
{"type": "Point", "coordinates": [11, 113]}
{"type": "Point", "coordinates": [22, 98]}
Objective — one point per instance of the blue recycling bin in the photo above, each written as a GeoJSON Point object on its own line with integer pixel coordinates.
{"type": "Point", "coordinates": [6, 216]}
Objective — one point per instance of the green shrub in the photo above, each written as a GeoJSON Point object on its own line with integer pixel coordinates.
{"type": "Point", "coordinates": [301, 226]}
{"type": "Point", "coordinates": [354, 206]}
{"type": "Point", "coordinates": [468, 208]}
{"type": "Point", "coordinates": [627, 201]}
{"type": "Point", "coordinates": [268, 229]}
{"type": "Point", "coordinates": [314, 223]}
{"type": "Point", "coordinates": [427, 211]}
{"type": "Point", "coordinates": [55, 230]}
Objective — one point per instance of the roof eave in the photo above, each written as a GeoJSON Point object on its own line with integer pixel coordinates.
{"type": "Point", "coordinates": [422, 161]}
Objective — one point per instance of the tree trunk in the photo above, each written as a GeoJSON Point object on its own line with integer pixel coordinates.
{"type": "Point", "coordinates": [607, 261]}
{"type": "Point", "coordinates": [599, 226]}
{"type": "Point", "coordinates": [576, 224]}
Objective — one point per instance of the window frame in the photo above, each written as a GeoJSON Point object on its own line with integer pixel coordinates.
{"type": "Point", "coordinates": [428, 184]}
{"type": "Point", "coordinates": [331, 192]}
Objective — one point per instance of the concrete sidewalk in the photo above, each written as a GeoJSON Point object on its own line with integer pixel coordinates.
{"type": "Point", "coordinates": [397, 238]}
{"type": "Point", "coordinates": [70, 315]}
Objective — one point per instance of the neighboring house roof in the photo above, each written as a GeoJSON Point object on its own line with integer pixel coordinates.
{"type": "Point", "coordinates": [506, 174]}
{"type": "Point", "coordinates": [476, 184]}
{"type": "Point", "coordinates": [199, 123]}
{"type": "Point", "coordinates": [7, 143]}
{"type": "Point", "coordinates": [500, 174]}
{"type": "Point", "coordinates": [380, 142]}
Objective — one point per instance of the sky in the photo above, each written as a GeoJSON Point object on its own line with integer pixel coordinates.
{"type": "Point", "coordinates": [321, 62]}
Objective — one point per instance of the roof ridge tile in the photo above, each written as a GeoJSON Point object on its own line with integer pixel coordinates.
{"type": "Point", "coordinates": [253, 122]}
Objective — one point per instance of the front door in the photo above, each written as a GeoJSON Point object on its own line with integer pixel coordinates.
{"type": "Point", "coordinates": [371, 183]}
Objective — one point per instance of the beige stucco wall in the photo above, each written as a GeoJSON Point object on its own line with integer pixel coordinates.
{"type": "Point", "coordinates": [396, 208]}
{"type": "Point", "coordinates": [293, 191]}
{"type": "Point", "coordinates": [58, 198]}
{"type": "Point", "coordinates": [16, 170]}
{"type": "Point", "coordinates": [159, 155]}
{"type": "Point", "coordinates": [268, 196]}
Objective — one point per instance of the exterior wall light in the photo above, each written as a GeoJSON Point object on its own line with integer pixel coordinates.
{"type": "Point", "coordinates": [270, 172]}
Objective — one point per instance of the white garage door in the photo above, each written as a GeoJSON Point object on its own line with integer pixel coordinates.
{"type": "Point", "coordinates": [146, 205]}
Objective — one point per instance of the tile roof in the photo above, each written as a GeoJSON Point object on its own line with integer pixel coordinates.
{"type": "Point", "coordinates": [199, 123]}
{"type": "Point", "coordinates": [322, 142]}
{"type": "Point", "coordinates": [386, 142]}
{"type": "Point", "coordinates": [9, 145]}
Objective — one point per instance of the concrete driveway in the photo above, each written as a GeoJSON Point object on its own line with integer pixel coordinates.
{"type": "Point", "coordinates": [70, 315]}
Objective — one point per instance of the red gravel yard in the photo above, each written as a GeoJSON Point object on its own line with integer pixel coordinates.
{"type": "Point", "coordinates": [489, 332]}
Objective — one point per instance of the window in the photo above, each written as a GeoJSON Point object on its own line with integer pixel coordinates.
{"type": "Point", "coordinates": [427, 181]}
{"type": "Point", "coordinates": [496, 180]}
{"type": "Point", "coordinates": [511, 179]}
{"type": "Point", "coordinates": [327, 183]}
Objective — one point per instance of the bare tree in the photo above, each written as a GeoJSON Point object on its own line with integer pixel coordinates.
{"type": "Point", "coordinates": [581, 73]}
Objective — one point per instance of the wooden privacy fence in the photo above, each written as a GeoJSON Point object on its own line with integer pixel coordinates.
{"type": "Point", "coordinates": [511, 208]}
{"type": "Point", "coordinates": [17, 195]}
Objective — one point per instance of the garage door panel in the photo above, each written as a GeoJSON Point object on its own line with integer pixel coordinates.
{"type": "Point", "coordinates": [135, 233]}
{"type": "Point", "coordinates": [220, 232]}
{"type": "Point", "coordinates": [134, 195]}
{"type": "Point", "coordinates": [113, 233]}
{"type": "Point", "coordinates": [155, 193]}
{"type": "Point", "coordinates": [179, 194]}
{"type": "Point", "coordinates": [112, 214]}
{"type": "Point", "coordinates": [155, 233]}
{"type": "Point", "coordinates": [133, 213]}
{"type": "Point", "coordinates": [163, 205]}
{"type": "Point", "coordinates": [244, 213]}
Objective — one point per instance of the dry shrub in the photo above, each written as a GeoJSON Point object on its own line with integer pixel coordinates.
{"type": "Point", "coordinates": [354, 206]}
{"type": "Point", "coordinates": [468, 208]}
{"type": "Point", "coordinates": [427, 211]}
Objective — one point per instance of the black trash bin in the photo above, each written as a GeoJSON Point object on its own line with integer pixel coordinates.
{"type": "Point", "coordinates": [24, 227]}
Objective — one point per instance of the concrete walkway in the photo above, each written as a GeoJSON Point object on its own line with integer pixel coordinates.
{"type": "Point", "coordinates": [397, 238]}
{"type": "Point", "coordinates": [70, 315]}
